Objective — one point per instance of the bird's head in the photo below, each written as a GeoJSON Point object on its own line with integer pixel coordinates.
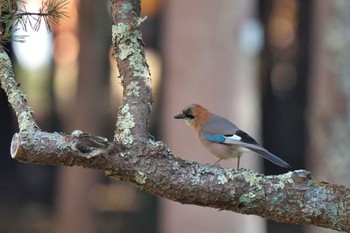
{"type": "Point", "coordinates": [194, 115]}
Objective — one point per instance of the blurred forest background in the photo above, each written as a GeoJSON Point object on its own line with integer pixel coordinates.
{"type": "Point", "coordinates": [277, 68]}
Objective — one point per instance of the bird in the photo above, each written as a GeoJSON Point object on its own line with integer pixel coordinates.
{"type": "Point", "coordinates": [223, 138]}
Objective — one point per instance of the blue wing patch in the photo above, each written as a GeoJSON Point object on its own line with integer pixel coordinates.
{"type": "Point", "coordinates": [214, 138]}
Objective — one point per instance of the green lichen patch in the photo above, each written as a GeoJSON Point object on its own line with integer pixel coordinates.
{"type": "Point", "coordinates": [222, 179]}
{"type": "Point", "coordinates": [139, 63]}
{"type": "Point", "coordinates": [155, 143]}
{"type": "Point", "coordinates": [124, 154]}
{"type": "Point", "coordinates": [25, 122]}
{"type": "Point", "coordinates": [125, 123]}
{"type": "Point", "coordinates": [133, 89]}
{"type": "Point", "coordinates": [195, 178]}
{"type": "Point", "coordinates": [118, 32]}
{"type": "Point", "coordinates": [256, 188]}
{"type": "Point", "coordinates": [141, 178]}
{"type": "Point", "coordinates": [4, 58]}
{"type": "Point", "coordinates": [77, 133]}
{"type": "Point", "coordinates": [284, 179]}
{"type": "Point", "coordinates": [126, 7]}
{"type": "Point", "coordinates": [128, 38]}
{"type": "Point", "coordinates": [232, 192]}
{"type": "Point", "coordinates": [276, 198]}
{"type": "Point", "coordinates": [122, 32]}
{"type": "Point", "coordinates": [121, 78]}
{"type": "Point", "coordinates": [126, 50]}
{"type": "Point", "coordinates": [248, 198]}
{"type": "Point", "coordinates": [252, 178]}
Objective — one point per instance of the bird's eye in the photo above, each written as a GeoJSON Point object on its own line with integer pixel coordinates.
{"type": "Point", "coordinates": [188, 113]}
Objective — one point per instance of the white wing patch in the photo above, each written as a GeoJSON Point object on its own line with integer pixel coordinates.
{"type": "Point", "coordinates": [235, 137]}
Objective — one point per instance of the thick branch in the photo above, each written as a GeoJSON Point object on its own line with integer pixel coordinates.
{"type": "Point", "coordinates": [293, 197]}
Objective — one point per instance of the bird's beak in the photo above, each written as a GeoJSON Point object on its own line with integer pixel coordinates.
{"type": "Point", "coordinates": [180, 116]}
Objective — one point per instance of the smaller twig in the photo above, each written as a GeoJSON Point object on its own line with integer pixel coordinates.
{"type": "Point", "coordinates": [16, 96]}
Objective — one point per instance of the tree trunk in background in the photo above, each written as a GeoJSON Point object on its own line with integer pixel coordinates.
{"type": "Point", "coordinates": [204, 64]}
{"type": "Point", "coordinates": [284, 74]}
{"type": "Point", "coordinates": [74, 214]}
{"type": "Point", "coordinates": [329, 109]}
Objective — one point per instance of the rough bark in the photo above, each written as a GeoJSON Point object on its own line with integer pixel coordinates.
{"type": "Point", "coordinates": [136, 158]}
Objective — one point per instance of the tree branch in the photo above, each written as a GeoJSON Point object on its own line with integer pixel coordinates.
{"type": "Point", "coordinates": [134, 114]}
{"type": "Point", "coordinates": [293, 197]}
{"type": "Point", "coordinates": [149, 165]}
{"type": "Point", "coordinates": [15, 95]}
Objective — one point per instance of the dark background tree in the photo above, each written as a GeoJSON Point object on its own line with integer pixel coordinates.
{"type": "Point", "coordinates": [285, 64]}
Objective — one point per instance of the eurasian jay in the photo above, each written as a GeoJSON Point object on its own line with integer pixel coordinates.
{"type": "Point", "coordinates": [221, 137]}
